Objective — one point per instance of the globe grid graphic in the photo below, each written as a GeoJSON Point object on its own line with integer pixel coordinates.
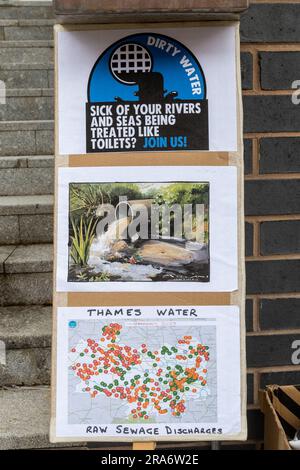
{"type": "Point", "coordinates": [129, 59]}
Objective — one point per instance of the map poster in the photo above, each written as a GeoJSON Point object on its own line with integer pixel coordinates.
{"type": "Point", "coordinates": [147, 373]}
{"type": "Point", "coordinates": [160, 229]}
{"type": "Point", "coordinates": [136, 90]}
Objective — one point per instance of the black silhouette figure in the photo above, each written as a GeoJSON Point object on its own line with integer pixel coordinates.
{"type": "Point", "coordinates": [151, 87]}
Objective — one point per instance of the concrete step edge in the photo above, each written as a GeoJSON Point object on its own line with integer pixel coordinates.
{"type": "Point", "coordinates": [31, 66]}
{"type": "Point", "coordinates": [28, 92]}
{"type": "Point", "coordinates": [27, 3]}
{"type": "Point", "coordinates": [7, 23]}
{"type": "Point", "coordinates": [26, 125]}
{"type": "Point", "coordinates": [31, 204]}
{"type": "Point", "coordinates": [31, 161]}
{"type": "Point", "coordinates": [29, 43]}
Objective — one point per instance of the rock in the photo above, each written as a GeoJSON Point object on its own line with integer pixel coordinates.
{"type": "Point", "coordinates": [120, 245]}
{"type": "Point", "coordinates": [119, 250]}
{"type": "Point", "coordinates": [164, 254]}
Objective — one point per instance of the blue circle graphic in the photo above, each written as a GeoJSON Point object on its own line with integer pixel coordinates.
{"type": "Point", "coordinates": [178, 69]}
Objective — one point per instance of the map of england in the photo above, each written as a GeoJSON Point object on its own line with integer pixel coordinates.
{"type": "Point", "coordinates": [151, 382]}
{"type": "Point", "coordinates": [141, 371]}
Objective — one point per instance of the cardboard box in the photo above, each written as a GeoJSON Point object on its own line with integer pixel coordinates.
{"type": "Point", "coordinates": [281, 407]}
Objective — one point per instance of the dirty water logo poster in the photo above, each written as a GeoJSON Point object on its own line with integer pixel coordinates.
{"type": "Point", "coordinates": [152, 90]}
{"type": "Point", "coordinates": [164, 229]}
{"type": "Point", "coordinates": [146, 92]}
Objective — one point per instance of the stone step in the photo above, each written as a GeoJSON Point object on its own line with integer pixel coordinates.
{"type": "Point", "coordinates": [25, 76]}
{"type": "Point", "coordinates": [26, 327]}
{"type": "Point", "coordinates": [26, 138]}
{"type": "Point", "coordinates": [25, 419]}
{"type": "Point", "coordinates": [26, 219]}
{"type": "Point", "coordinates": [26, 274]}
{"type": "Point", "coordinates": [23, 161]}
{"type": "Point", "coordinates": [26, 22]}
{"type": "Point", "coordinates": [26, 52]}
{"type": "Point", "coordinates": [28, 92]}
{"type": "Point", "coordinates": [30, 104]}
{"type": "Point", "coordinates": [23, 44]}
{"type": "Point", "coordinates": [26, 175]}
{"type": "Point", "coordinates": [26, 333]}
{"type": "Point", "coordinates": [19, 10]}
{"type": "Point", "coordinates": [19, 66]}
{"type": "Point", "coordinates": [26, 30]}
{"type": "Point", "coordinates": [26, 125]}
{"type": "Point", "coordinates": [26, 205]}
{"type": "Point", "coordinates": [29, 259]}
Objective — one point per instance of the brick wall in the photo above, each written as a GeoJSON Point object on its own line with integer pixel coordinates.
{"type": "Point", "coordinates": [270, 45]}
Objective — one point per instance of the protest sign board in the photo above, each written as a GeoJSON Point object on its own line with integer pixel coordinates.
{"type": "Point", "coordinates": [148, 216]}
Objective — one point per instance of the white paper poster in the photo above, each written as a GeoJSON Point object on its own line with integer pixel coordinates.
{"type": "Point", "coordinates": [155, 90]}
{"type": "Point", "coordinates": [147, 229]}
{"type": "Point", "coordinates": [147, 373]}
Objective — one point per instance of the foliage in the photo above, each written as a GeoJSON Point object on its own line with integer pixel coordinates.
{"type": "Point", "coordinates": [101, 277]}
{"type": "Point", "coordinates": [87, 197]}
{"type": "Point", "coordinates": [82, 276]}
{"type": "Point", "coordinates": [87, 277]}
{"type": "Point", "coordinates": [184, 193]}
{"type": "Point", "coordinates": [82, 238]}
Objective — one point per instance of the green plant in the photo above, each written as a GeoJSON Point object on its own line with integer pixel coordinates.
{"type": "Point", "coordinates": [82, 238]}
{"type": "Point", "coordinates": [86, 197]}
{"type": "Point", "coordinates": [184, 193]}
{"type": "Point", "coordinates": [99, 278]}
{"type": "Point", "coordinates": [82, 276]}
